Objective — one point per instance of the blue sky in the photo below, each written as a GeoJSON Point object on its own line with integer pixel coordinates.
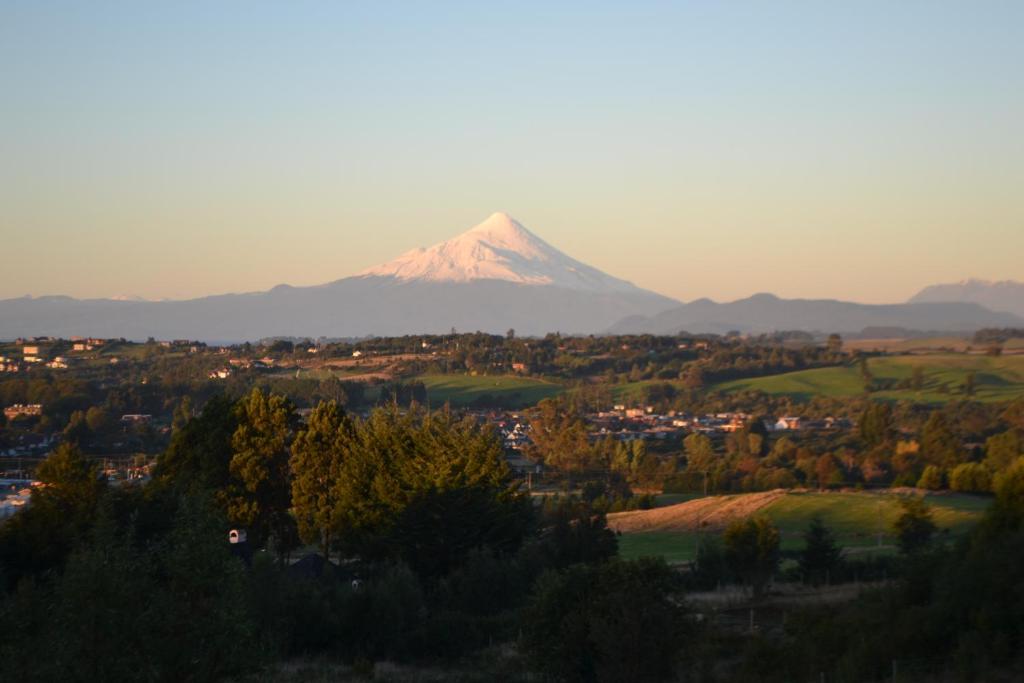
{"type": "Point", "coordinates": [850, 150]}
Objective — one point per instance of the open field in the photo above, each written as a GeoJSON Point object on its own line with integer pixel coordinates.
{"type": "Point", "coordinates": [997, 378]}
{"type": "Point", "coordinates": [856, 518]}
{"type": "Point", "coordinates": [922, 345]}
{"type": "Point", "coordinates": [929, 345]}
{"type": "Point", "coordinates": [498, 390]}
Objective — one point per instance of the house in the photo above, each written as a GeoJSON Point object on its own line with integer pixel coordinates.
{"type": "Point", "coordinates": [788, 423]}
{"type": "Point", "coordinates": [519, 367]}
{"type": "Point", "coordinates": [357, 353]}
{"type": "Point", "coordinates": [223, 373]}
{"type": "Point", "coordinates": [30, 351]}
{"type": "Point", "coordinates": [58, 363]}
{"type": "Point", "coordinates": [19, 409]}
{"type": "Point", "coordinates": [134, 418]}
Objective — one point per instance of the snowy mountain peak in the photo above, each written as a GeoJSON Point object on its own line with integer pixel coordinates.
{"type": "Point", "coordinates": [499, 248]}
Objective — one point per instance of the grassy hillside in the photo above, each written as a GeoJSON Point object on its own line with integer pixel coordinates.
{"type": "Point", "coordinates": [500, 390]}
{"type": "Point", "coordinates": [996, 378]}
{"type": "Point", "coordinates": [856, 519]}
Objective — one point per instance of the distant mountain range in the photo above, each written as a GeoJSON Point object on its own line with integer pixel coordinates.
{"type": "Point", "coordinates": [769, 313]}
{"type": "Point", "coordinates": [1006, 295]}
{"type": "Point", "coordinates": [494, 277]}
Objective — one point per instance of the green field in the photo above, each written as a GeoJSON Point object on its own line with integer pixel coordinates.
{"type": "Point", "coordinates": [997, 378]}
{"type": "Point", "coordinates": [507, 391]}
{"type": "Point", "coordinates": [855, 518]}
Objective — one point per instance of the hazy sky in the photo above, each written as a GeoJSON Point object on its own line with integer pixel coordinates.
{"type": "Point", "coordinates": [855, 150]}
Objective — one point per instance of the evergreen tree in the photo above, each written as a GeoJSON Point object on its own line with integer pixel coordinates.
{"type": "Point", "coordinates": [939, 444]}
{"type": "Point", "coordinates": [316, 466]}
{"type": "Point", "coordinates": [258, 494]}
{"type": "Point", "coordinates": [821, 554]}
{"type": "Point", "coordinates": [200, 451]}
{"type": "Point", "coordinates": [876, 424]}
{"type": "Point", "coordinates": [59, 517]}
{"type": "Point", "coordinates": [914, 527]}
{"type": "Point", "coordinates": [752, 550]}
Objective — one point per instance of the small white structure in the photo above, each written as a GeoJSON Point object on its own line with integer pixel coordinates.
{"type": "Point", "coordinates": [236, 536]}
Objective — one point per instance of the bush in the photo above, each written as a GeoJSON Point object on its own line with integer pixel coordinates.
{"type": "Point", "coordinates": [970, 477]}
{"type": "Point", "coordinates": [612, 622]}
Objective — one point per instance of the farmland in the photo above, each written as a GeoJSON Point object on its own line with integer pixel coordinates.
{"type": "Point", "coordinates": [856, 518]}
{"type": "Point", "coordinates": [997, 378]}
{"type": "Point", "coordinates": [502, 390]}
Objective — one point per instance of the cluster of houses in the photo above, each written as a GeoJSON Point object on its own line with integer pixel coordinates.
{"type": "Point", "coordinates": [23, 410]}
{"type": "Point", "coordinates": [265, 363]}
{"type": "Point", "coordinates": [34, 352]}
{"type": "Point", "coordinates": [635, 424]}
{"type": "Point", "coordinates": [797, 423]}
{"type": "Point", "coordinates": [631, 424]}
{"type": "Point", "coordinates": [79, 344]}
{"type": "Point", "coordinates": [14, 495]}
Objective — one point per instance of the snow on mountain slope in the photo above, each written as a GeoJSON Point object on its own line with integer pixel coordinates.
{"type": "Point", "coordinates": [1006, 295]}
{"type": "Point", "coordinates": [500, 248]}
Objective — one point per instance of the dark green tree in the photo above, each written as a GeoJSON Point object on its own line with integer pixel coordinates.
{"type": "Point", "coordinates": [610, 622]}
{"type": "Point", "coordinates": [752, 550]}
{"type": "Point", "coordinates": [58, 518]}
{"type": "Point", "coordinates": [200, 451]}
{"type": "Point", "coordinates": [258, 494]}
{"type": "Point", "coordinates": [821, 555]}
{"type": "Point", "coordinates": [427, 489]}
{"type": "Point", "coordinates": [914, 527]}
{"type": "Point", "coordinates": [1001, 450]}
{"type": "Point", "coordinates": [876, 424]}
{"type": "Point", "coordinates": [939, 443]}
{"type": "Point", "coordinates": [316, 465]}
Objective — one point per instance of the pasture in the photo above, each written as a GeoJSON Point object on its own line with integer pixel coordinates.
{"type": "Point", "coordinates": [997, 378]}
{"type": "Point", "coordinates": [505, 391]}
{"type": "Point", "coordinates": [861, 521]}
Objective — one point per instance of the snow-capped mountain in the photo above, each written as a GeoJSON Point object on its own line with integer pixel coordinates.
{"type": "Point", "coordinates": [1005, 295]}
{"type": "Point", "coordinates": [496, 276]}
{"type": "Point", "coordinates": [500, 248]}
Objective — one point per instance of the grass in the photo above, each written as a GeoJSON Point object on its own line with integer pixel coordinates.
{"type": "Point", "coordinates": [855, 519]}
{"type": "Point", "coordinates": [506, 391]}
{"type": "Point", "coordinates": [674, 546]}
{"type": "Point", "coordinates": [929, 344]}
{"type": "Point", "coordinates": [997, 378]}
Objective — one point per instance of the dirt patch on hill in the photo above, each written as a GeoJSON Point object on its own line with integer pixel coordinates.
{"type": "Point", "coordinates": [714, 512]}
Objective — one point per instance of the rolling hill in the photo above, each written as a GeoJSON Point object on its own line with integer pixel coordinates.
{"type": "Point", "coordinates": [859, 520]}
{"type": "Point", "coordinates": [996, 379]}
